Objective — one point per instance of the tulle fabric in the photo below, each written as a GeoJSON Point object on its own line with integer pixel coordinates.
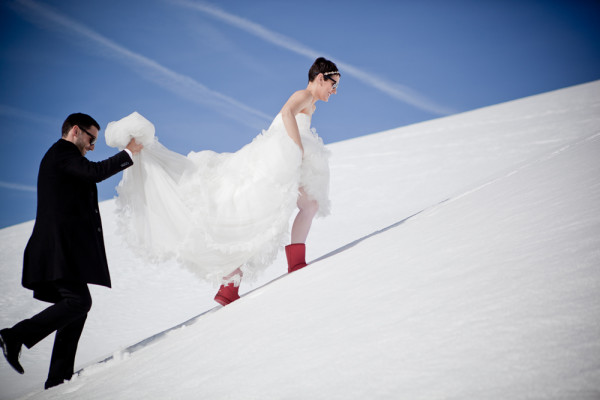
{"type": "Point", "coordinates": [215, 212]}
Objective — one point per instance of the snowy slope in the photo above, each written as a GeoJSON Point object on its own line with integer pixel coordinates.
{"type": "Point", "coordinates": [493, 293]}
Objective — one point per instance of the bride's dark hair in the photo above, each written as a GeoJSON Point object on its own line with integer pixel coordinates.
{"type": "Point", "coordinates": [322, 66]}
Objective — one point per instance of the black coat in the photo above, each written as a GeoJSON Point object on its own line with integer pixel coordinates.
{"type": "Point", "coordinates": [67, 241]}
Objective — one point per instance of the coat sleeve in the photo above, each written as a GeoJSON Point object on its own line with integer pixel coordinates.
{"type": "Point", "coordinates": [73, 163]}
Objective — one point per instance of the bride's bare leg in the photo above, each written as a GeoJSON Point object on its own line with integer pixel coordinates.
{"type": "Point", "coordinates": [296, 252]}
{"type": "Point", "coordinates": [308, 209]}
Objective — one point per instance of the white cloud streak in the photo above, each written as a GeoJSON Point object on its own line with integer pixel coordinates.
{"type": "Point", "coordinates": [16, 186]}
{"type": "Point", "coordinates": [16, 113]}
{"type": "Point", "coordinates": [179, 84]}
{"type": "Point", "coordinates": [394, 90]}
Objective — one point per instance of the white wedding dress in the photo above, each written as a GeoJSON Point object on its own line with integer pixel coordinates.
{"type": "Point", "coordinates": [215, 212]}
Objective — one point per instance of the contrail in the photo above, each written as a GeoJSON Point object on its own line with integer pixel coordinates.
{"type": "Point", "coordinates": [13, 112]}
{"type": "Point", "coordinates": [392, 89]}
{"type": "Point", "coordinates": [16, 186]}
{"type": "Point", "coordinates": [181, 85]}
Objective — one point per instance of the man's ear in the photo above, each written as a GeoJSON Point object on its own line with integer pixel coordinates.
{"type": "Point", "coordinates": [74, 132]}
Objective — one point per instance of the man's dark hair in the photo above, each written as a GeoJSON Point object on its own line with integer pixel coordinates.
{"type": "Point", "coordinates": [81, 120]}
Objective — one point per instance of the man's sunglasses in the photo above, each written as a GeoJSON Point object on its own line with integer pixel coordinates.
{"type": "Point", "coordinates": [93, 138]}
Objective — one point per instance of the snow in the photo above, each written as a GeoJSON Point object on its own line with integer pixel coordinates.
{"type": "Point", "coordinates": [462, 261]}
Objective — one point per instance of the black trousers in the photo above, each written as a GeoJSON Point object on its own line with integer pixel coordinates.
{"type": "Point", "coordinates": [67, 317]}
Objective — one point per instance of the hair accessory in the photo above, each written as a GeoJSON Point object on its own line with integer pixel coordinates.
{"type": "Point", "coordinates": [331, 73]}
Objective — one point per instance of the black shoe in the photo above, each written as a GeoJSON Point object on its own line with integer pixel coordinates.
{"type": "Point", "coordinates": [11, 349]}
{"type": "Point", "coordinates": [53, 382]}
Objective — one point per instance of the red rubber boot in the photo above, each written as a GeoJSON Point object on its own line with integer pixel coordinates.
{"type": "Point", "coordinates": [296, 254]}
{"type": "Point", "coordinates": [227, 294]}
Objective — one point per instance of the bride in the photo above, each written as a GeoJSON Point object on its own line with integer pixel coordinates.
{"type": "Point", "coordinates": [226, 215]}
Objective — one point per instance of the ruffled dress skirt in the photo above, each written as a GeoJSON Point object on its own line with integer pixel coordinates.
{"type": "Point", "coordinates": [215, 212]}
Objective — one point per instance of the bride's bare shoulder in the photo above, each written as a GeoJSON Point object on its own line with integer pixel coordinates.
{"type": "Point", "coordinates": [298, 101]}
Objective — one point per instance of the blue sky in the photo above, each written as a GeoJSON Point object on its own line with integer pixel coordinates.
{"type": "Point", "coordinates": [212, 75]}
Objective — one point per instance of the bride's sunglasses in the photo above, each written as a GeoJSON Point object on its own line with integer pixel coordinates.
{"type": "Point", "coordinates": [335, 83]}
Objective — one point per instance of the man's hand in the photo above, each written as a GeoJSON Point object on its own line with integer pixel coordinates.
{"type": "Point", "coordinates": [134, 146]}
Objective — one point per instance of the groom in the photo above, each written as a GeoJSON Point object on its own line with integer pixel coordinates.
{"type": "Point", "coordinates": [66, 249]}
